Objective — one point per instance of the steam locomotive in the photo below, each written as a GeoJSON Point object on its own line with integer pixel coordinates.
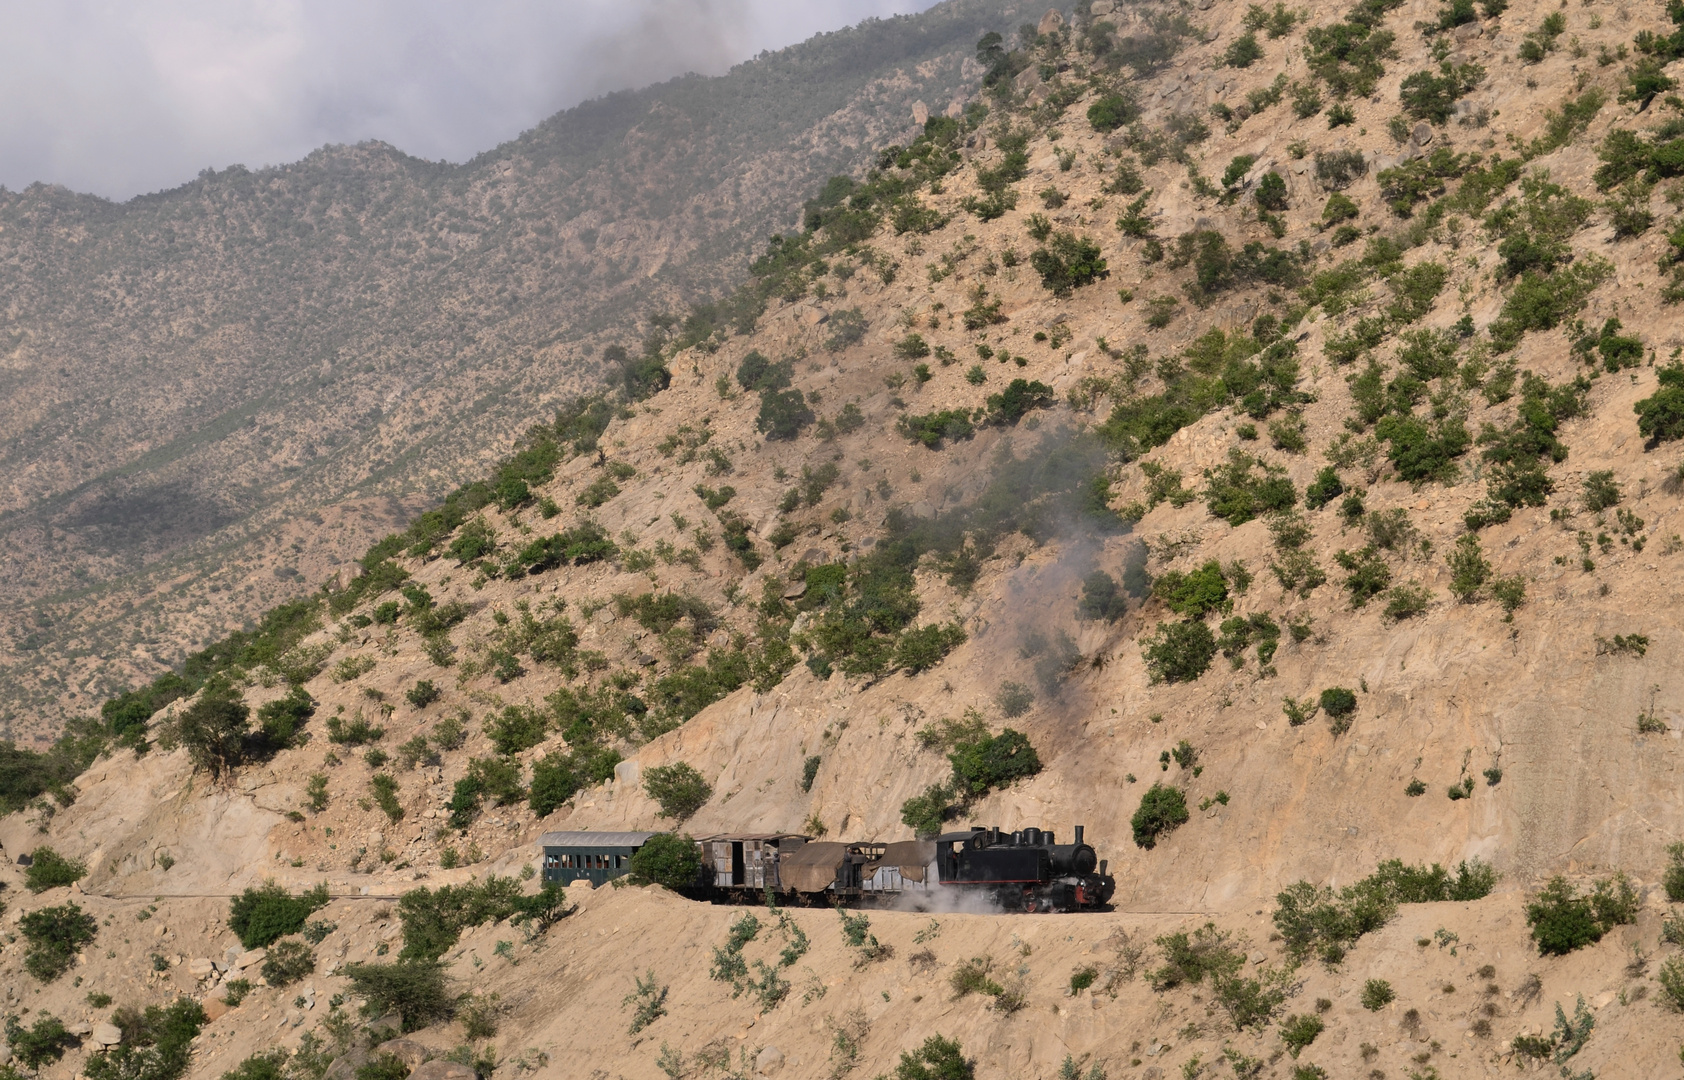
{"type": "Point", "coordinates": [1026, 870]}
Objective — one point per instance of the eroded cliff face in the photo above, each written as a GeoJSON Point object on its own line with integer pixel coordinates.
{"type": "Point", "coordinates": [1538, 735]}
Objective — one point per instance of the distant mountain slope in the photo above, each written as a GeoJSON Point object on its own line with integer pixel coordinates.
{"type": "Point", "coordinates": [183, 374]}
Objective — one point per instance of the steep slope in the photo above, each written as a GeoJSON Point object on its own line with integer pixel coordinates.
{"type": "Point", "coordinates": [1423, 615]}
{"type": "Point", "coordinates": [188, 373]}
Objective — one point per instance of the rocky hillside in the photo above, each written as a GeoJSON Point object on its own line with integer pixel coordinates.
{"type": "Point", "coordinates": [1251, 434]}
{"type": "Point", "coordinates": [192, 375]}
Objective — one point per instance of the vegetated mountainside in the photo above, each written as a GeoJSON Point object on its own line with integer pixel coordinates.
{"type": "Point", "coordinates": [189, 375]}
{"type": "Point", "coordinates": [1299, 530]}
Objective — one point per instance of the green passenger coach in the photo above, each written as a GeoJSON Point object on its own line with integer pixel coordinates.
{"type": "Point", "coordinates": [596, 857]}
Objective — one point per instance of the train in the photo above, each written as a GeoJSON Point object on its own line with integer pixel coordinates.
{"type": "Point", "coordinates": [982, 868]}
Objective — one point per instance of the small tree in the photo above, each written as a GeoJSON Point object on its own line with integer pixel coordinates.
{"type": "Point", "coordinates": [1271, 192]}
{"type": "Point", "coordinates": [993, 761]}
{"type": "Point", "coordinates": [1469, 569]}
{"type": "Point", "coordinates": [50, 870]}
{"type": "Point", "coordinates": [261, 916]}
{"type": "Point", "coordinates": [55, 936]}
{"type": "Point", "coordinates": [214, 729]}
{"type": "Point", "coordinates": [667, 859]}
{"type": "Point", "coordinates": [417, 990]}
{"type": "Point", "coordinates": [679, 788]}
{"type": "Point", "coordinates": [1161, 810]}
{"type": "Point", "coordinates": [1660, 417]}
{"type": "Point", "coordinates": [40, 1044]}
{"type": "Point", "coordinates": [1338, 702]}
{"type": "Point", "coordinates": [1180, 651]}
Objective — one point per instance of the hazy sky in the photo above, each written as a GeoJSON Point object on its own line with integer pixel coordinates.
{"type": "Point", "coordinates": [120, 97]}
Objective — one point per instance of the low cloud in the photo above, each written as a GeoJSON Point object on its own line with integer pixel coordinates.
{"type": "Point", "coordinates": [120, 98]}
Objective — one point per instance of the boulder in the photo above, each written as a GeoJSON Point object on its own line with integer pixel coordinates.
{"type": "Point", "coordinates": [1422, 135]}
{"type": "Point", "coordinates": [80, 1028]}
{"type": "Point", "coordinates": [1028, 78]}
{"type": "Point", "coordinates": [1050, 22]}
{"type": "Point", "coordinates": [920, 113]}
{"type": "Point", "coordinates": [769, 1061]}
{"type": "Point", "coordinates": [106, 1034]}
{"type": "Point", "coordinates": [249, 958]}
{"type": "Point", "coordinates": [439, 1069]}
{"type": "Point", "coordinates": [1101, 8]}
{"type": "Point", "coordinates": [215, 1008]}
{"type": "Point", "coordinates": [200, 966]}
{"type": "Point", "coordinates": [408, 1051]}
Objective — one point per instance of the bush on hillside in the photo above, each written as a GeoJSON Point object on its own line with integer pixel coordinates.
{"type": "Point", "coordinates": [1180, 651]}
{"type": "Point", "coordinates": [55, 935]}
{"type": "Point", "coordinates": [288, 961]}
{"type": "Point", "coordinates": [667, 859]}
{"type": "Point", "coordinates": [261, 916]}
{"type": "Point", "coordinates": [157, 1044]}
{"type": "Point", "coordinates": [417, 990]}
{"type": "Point", "coordinates": [42, 1043]}
{"type": "Point", "coordinates": [679, 788]}
{"type": "Point", "coordinates": [1563, 919]}
{"type": "Point", "coordinates": [1162, 809]}
{"type": "Point", "coordinates": [938, 1059]}
{"type": "Point", "coordinates": [992, 762]}
{"type": "Point", "coordinates": [50, 870]}
{"type": "Point", "coordinates": [1660, 417]}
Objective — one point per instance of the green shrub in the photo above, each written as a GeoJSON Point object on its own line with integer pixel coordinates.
{"type": "Point", "coordinates": [1067, 263]}
{"type": "Point", "coordinates": [1102, 598]}
{"type": "Point", "coordinates": [1113, 111]}
{"type": "Point", "coordinates": [1010, 405]}
{"type": "Point", "coordinates": [40, 1044]}
{"type": "Point", "coordinates": [268, 1065]}
{"type": "Point", "coordinates": [1162, 809]}
{"type": "Point", "coordinates": [931, 428]}
{"type": "Point", "coordinates": [386, 795]}
{"type": "Point", "coordinates": [1300, 1030]}
{"type": "Point", "coordinates": [157, 1044]}
{"type": "Point", "coordinates": [1194, 594]}
{"type": "Point", "coordinates": [1377, 994]}
{"type": "Point", "coordinates": [1243, 51]}
{"type": "Point", "coordinates": [417, 990]}
{"type": "Point", "coordinates": [1180, 651]}
{"type": "Point", "coordinates": [214, 730]}
{"type": "Point", "coordinates": [1189, 959]}
{"type": "Point", "coordinates": [288, 961]}
{"type": "Point", "coordinates": [667, 859]}
{"type": "Point", "coordinates": [1660, 417]}
{"type": "Point", "coordinates": [783, 413]}
{"type": "Point", "coordinates": [55, 935]}
{"type": "Point", "coordinates": [925, 814]}
{"type": "Point", "coordinates": [991, 762]}
{"type": "Point", "coordinates": [1236, 492]}
{"type": "Point", "coordinates": [678, 788]}
{"type": "Point", "coordinates": [938, 1059]}
{"type": "Point", "coordinates": [1562, 919]}
{"type": "Point", "coordinates": [1671, 978]}
{"type": "Point", "coordinates": [281, 720]}
{"type": "Point", "coordinates": [1672, 878]}
{"type": "Point", "coordinates": [1338, 702]}
{"type": "Point", "coordinates": [261, 916]}
{"type": "Point", "coordinates": [1426, 96]}
{"type": "Point", "coordinates": [50, 870]}
{"type": "Point", "coordinates": [1323, 923]}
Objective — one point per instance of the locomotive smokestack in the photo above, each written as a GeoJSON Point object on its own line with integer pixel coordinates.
{"type": "Point", "coordinates": [1079, 834]}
